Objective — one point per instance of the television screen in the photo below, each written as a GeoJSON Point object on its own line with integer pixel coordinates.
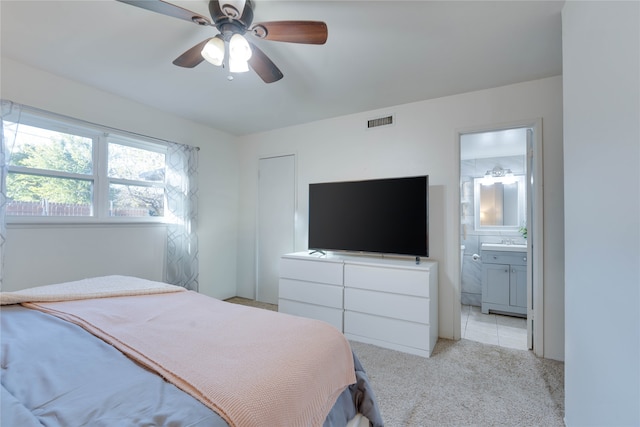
{"type": "Point", "coordinates": [381, 215]}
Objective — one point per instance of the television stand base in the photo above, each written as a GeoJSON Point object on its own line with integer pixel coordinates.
{"type": "Point", "coordinates": [317, 251]}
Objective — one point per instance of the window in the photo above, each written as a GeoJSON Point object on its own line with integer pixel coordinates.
{"type": "Point", "coordinates": [136, 180]}
{"type": "Point", "coordinates": [58, 170]}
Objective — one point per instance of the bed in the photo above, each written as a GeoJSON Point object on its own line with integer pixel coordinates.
{"type": "Point", "coordinates": [125, 351]}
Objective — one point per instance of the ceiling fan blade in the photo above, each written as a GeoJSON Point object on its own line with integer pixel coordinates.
{"type": "Point", "coordinates": [307, 32]}
{"type": "Point", "coordinates": [247, 14]}
{"type": "Point", "coordinates": [215, 10]}
{"type": "Point", "coordinates": [192, 57]}
{"type": "Point", "coordinates": [263, 66]}
{"type": "Point", "coordinates": [169, 9]}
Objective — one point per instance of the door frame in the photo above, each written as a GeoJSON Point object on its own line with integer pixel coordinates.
{"type": "Point", "coordinates": [535, 224]}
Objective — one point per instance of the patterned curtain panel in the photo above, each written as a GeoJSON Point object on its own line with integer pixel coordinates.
{"type": "Point", "coordinates": [8, 130]}
{"type": "Point", "coordinates": [182, 212]}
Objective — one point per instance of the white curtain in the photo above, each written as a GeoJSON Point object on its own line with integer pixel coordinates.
{"type": "Point", "coordinates": [8, 129]}
{"type": "Point", "coordinates": [182, 212]}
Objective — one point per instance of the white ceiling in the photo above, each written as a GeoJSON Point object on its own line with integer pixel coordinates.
{"type": "Point", "coordinates": [378, 54]}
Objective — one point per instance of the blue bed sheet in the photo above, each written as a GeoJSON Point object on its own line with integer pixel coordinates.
{"type": "Point", "coordinates": [55, 373]}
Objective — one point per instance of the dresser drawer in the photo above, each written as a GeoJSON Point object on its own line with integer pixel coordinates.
{"type": "Point", "coordinates": [394, 331]}
{"type": "Point", "coordinates": [311, 271]}
{"type": "Point", "coordinates": [397, 280]}
{"type": "Point", "coordinates": [332, 316]}
{"type": "Point", "coordinates": [403, 307]}
{"type": "Point", "coordinates": [313, 293]}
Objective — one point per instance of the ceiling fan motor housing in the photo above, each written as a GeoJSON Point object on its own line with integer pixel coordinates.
{"type": "Point", "coordinates": [227, 18]}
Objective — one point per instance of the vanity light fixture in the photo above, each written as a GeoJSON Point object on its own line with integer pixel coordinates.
{"type": "Point", "coordinates": [509, 178]}
{"type": "Point", "coordinates": [497, 174]}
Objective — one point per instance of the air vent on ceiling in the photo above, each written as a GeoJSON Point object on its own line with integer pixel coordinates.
{"type": "Point", "coordinates": [381, 121]}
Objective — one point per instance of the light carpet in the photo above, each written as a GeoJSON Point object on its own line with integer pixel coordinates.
{"type": "Point", "coordinates": [463, 383]}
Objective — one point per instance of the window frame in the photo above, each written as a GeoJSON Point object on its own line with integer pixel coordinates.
{"type": "Point", "coordinates": [101, 138]}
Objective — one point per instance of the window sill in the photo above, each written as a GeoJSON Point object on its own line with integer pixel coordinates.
{"type": "Point", "coordinates": [74, 222]}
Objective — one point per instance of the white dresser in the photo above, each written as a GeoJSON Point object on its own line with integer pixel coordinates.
{"type": "Point", "coordinates": [389, 302]}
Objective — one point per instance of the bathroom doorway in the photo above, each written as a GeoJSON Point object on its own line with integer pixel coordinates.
{"type": "Point", "coordinates": [500, 228]}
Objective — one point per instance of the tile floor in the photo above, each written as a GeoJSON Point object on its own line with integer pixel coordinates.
{"type": "Point", "coordinates": [504, 331]}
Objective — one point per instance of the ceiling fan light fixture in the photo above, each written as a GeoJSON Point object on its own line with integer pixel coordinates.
{"type": "Point", "coordinates": [238, 66]}
{"type": "Point", "coordinates": [213, 51]}
{"type": "Point", "coordinates": [239, 54]}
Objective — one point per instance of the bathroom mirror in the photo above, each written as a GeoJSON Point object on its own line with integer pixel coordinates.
{"type": "Point", "coordinates": [499, 206]}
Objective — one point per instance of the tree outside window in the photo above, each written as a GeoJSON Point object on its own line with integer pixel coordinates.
{"type": "Point", "coordinates": [58, 173]}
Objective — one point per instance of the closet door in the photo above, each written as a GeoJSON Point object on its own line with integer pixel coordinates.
{"type": "Point", "coordinates": [276, 222]}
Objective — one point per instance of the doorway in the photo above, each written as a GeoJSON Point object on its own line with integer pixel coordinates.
{"type": "Point", "coordinates": [276, 222]}
{"type": "Point", "coordinates": [499, 196]}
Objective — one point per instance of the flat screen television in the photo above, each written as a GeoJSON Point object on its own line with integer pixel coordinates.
{"type": "Point", "coordinates": [389, 216]}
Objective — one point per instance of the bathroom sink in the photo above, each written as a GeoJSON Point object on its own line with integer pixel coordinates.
{"type": "Point", "coordinates": [508, 247]}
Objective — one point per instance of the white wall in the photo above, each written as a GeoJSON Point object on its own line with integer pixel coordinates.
{"type": "Point", "coordinates": [422, 141]}
{"type": "Point", "coordinates": [36, 256]}
{"type": "Point", "coordinates": [601, 63]}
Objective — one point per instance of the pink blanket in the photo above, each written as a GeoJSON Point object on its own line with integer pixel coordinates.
{"type": "Point", "coordinates": [251, 366]}
{"type": "Point", "coordinates": [95, 287]}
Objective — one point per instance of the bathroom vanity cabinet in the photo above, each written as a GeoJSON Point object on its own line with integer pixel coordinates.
{"type": "Point", "coordinates": [504, 282]}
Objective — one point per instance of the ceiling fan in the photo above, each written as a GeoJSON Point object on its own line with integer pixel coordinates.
{"type": "Point", "coordinates": [234, 19]}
